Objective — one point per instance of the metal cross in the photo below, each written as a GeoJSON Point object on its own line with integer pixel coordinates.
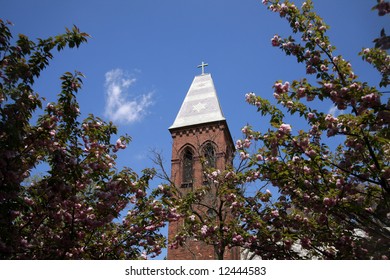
{"type": "Point", "coordinates": [203, 65]}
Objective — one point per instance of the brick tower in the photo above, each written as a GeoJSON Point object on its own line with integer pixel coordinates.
{"type": "Point", "coordinates": [200, 130]}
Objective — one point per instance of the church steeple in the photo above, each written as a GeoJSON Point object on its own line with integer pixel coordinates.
{"type": "Point", "coordinates": [199, 133]}
{"type": "Point", "coordinates": [201, 104]}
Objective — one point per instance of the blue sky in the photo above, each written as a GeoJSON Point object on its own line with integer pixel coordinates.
{"type": "Point", "coordinates": [143, 54]}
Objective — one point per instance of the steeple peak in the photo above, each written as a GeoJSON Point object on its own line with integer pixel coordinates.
{"type": "Point", "coordinates": [203, 65]}
{"type": "Point", "coordinates": [201, 104]}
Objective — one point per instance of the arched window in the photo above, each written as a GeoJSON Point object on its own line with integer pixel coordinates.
{"type": "Point", "coordinates": [188, 162]}
{"type": "Point", "coordinates": [209, 156]}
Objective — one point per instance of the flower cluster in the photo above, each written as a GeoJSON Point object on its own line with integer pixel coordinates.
{"type": "Point", "coordinates": [71, 211]}
{"type": "Point", "coordinates": [285, 128]}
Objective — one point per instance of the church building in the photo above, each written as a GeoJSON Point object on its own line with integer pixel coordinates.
{"type": "Point", "coordinates": [199, 131]}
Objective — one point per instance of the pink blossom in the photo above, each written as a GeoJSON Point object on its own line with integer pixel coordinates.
{"type": "Point", "coordinates": [324, 68]}
{"type": "Point", "coordinates": [275, 41]}
{"type": "Point", "coordinates": [28, 201]}
{"type": "Point", "coordinates": [295, 158]}
{"type": "Point", "coordinates": [283, 9]}
{"type": "Point", "coordinates": [310, 69]}
{"type": "Point", "coordinates": [249, 97]}
{"type": "Point", "coordinates": [329, 201]}
{"type": "Point", "coordinates": [237, 238]}
{"type": "Point", "coordinates": [204, 230]}
{"type": "Point", "coordinates": [330, 118]}
{"type": "Point", "coordinates": [366, 50]}
{"type": "Point", "coordinates": [119, 145]}
{"type": "Point", "coordinates": [244, 156]}
{"type": "Point", "coordinates": [305, 242]}
{"type": "Point", "coordinates": [238, 144]}
{"type": "Point", "coordinates": [339, 183]}
{"type": "Point", "coordinates": [282, 88]}
{"type": "Point", "coordinates": [247, 143]}
{"type": "Point", "coordinates": [230, 174]}
{"type": "Point", "coordinates": [315, 60]}
{"type": "Point", "coordinates": [369, 209]}
{"type": "Point", "coordinates": [215, 173]}
{"type": "Point", "coordinates": [285, 128]}
{"type": "Point", "coordinates": [286, 86]}
{"type": "Point", "coordinates": [234, 204]}
{"type": "Point", "coordinates": [311, 153]}
{"type": "Point", "coordinates": [144, 255]}
{"type": "Point", "coordinates": [288, 244]}
{"type": "Point", "coordinates": [231, 197]}
{"type": "Point", "coordinates": [301, 92]}
{"type": "Point", "coordinates": [372, 99]}
{"type": "Point", "coordinates": [310, 115]}
{"type": "Point", "coordinates": [322, 28]}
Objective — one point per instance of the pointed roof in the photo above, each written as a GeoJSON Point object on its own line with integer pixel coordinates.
{"type": "Point", "coordinates": [201, 104]}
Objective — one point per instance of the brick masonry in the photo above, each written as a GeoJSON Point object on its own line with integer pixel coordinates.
{"type": "Point", "coordinates": [196, 137]}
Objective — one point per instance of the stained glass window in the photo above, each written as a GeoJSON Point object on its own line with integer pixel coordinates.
{"type": "Point", "coordinates": [187, 167]}
{"type": "Point", "coordinates": [209, 155]}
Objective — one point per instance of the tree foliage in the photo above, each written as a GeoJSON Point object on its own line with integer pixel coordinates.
{"type": "Point", "coordinates": [332, 203]}
{"type": "Point", "coordinates": [72, 211]}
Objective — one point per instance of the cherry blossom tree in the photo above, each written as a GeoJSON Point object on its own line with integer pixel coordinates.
{"type": "Point", "coordinates": [331, 203]}
{"type": "Point", "coordinates": [294, 196]}
{"type": "Point", "coordinates": [72, 211]}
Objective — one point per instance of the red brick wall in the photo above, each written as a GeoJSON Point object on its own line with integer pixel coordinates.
{"type": "Point", "coordinates": [196, 137]}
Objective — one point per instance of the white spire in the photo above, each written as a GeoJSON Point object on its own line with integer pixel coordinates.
{"type": "Point", "coordinates": [201, 104]}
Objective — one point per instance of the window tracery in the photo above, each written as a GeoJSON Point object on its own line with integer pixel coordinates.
{"type": "Point", "coordinates": [209, 156]}
{"type": "Point", "coordinates": [188, 166]}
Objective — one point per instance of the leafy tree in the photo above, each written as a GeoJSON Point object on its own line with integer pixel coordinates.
{"type": "Point", "coordinates": [331, 203]}
{"type": "Point", "coordinates": [72, 211]}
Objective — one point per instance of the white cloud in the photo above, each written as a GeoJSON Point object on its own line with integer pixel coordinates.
{"type": "Point", "coordinates": [119, 106]}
